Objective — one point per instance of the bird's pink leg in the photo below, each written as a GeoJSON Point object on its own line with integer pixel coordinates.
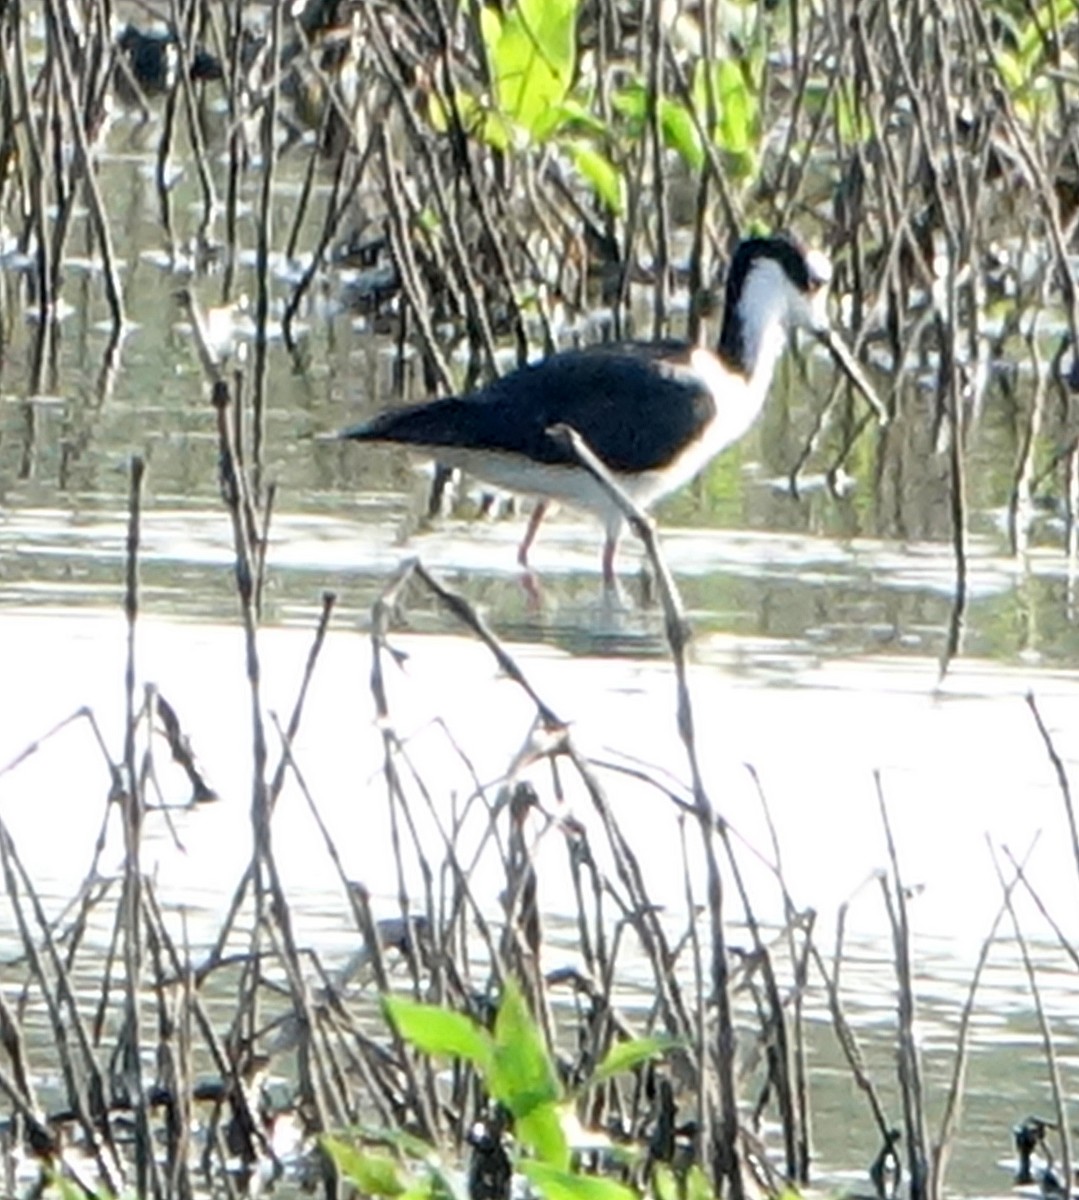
{"type": "Point", "coordinates": [530, 533]}
{"type": "Point", "coordinates": [609, 579]}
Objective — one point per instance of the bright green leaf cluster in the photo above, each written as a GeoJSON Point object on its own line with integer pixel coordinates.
{"type": "Point", "coordinates": [440, 1032]}
{"type": "Point", "coordinates": [734, 83]}
{"type": "Point", "coordinates": [555, 1184]}
{"type": "Point", "coordinates": [694, 1186]}
{"type": "Point", "coordinates": [513, 1063]}
{"type": "Point", "coordinates": [518, 1073]}
{"type": "Point", "coordinates": [372, 1173]}
{"type": "Point", "coordinates": [1021, 67]}
{"type": "Point", "coordinates": [531, 49]}
{"type": "Point", "coordinates": [531, 54]}
{"type": "Point", "coordinates": [730, 86]}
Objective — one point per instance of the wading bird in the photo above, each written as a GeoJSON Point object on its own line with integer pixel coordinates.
{"type": "Point", "coordinates": [654, 413]}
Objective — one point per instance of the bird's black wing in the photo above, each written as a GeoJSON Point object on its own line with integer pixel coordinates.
{"type": "Point", "coordinates": [635, 403]}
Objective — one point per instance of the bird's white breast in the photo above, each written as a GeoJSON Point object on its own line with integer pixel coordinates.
{"type": "Point", "coordinates": [738, 400]}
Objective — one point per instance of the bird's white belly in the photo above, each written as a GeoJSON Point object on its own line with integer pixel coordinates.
{"type": "Point", "coordinates": [574, 486]}
{"type": "Point", "coordinates": [516, 473]}
{"type": "Point", "coordinates": [650, 486]}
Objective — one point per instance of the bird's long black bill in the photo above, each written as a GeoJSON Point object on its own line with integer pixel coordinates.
{"type": "Point", "coordinates": [850, 365]}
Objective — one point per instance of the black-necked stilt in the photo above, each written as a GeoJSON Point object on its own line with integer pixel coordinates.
{"type": "Point", "coordinates": [653, 412]}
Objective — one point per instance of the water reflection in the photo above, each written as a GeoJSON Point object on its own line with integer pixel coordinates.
{"type": "Point", "coordinates": [814, 596]}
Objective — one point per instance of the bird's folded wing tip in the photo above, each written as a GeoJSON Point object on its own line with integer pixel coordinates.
{"type": "Point", "coordinates": [341, 435]}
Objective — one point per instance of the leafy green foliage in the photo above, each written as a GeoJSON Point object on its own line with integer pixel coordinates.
{"type": "Point", "coordinates": [68, 1189]}
{"type": "Point", "coordinates": [532, 54]}
{"type": "Point", "coordinates": [680, 131]}
{"type": "Point", "coordinates": [517, 1070]}
{"type": "Point", "coordinates": [693, 1186]}
{"type": "Point", "coordinates": [733, 84]}
{"type": "Point", "coordinates": [416, 1173]}
{"type": "Point", "coordinates": [440, 1032]}
{"type": "Point", "coordinates": [676, 123]}
{"type": "Point", "coordinates": [535, 100]}
{"type": "Point", "coordinates": [601, 173]}
{"type": "Point", "coordinates": [1021, 61]}
{"type": "Point", "coordinates": [371, 1173]}
{"type": "Point", "coordinates": [522, 1075]}
{"type": "Point", "coordinates": [541, 1131]}
{"type": "Point", "coordinates": [565, 1185]}
{"type": "Point", "coordinates": [625, 1056]}
{"type": "Point", "coordinates": [728, 86]}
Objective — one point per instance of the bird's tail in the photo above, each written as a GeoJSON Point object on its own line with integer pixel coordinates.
{"type": "Point", "coordinates": [435, 423]}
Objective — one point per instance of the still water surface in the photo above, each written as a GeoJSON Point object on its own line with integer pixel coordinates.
{"type": "Point", "coordinates": [818, 624]}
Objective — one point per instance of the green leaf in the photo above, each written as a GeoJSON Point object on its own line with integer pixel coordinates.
{"type": "Point", "coordinates": [698, 90]}
{"type": "Point", "coordinates": [737, 133]}
{"type": "Point", "coordinates": [438, 116]}
{"type": "Point", "coordinates": [476, 119]}
{"type": "Point", "coordinates": [522, 1075]}
{"type": "Point", "coordinates": [680, 131]}
{"type": "Point", "coordinates": [470, 112]}
{"type": "Point", "coordinates": [697, 1186]}
{"type": "Point", "coordinates": [564, 1185]}
{"type": "Point", "coordinates": [547, 121]}
{"type": "Point", "coordinates": [676, 122]}
{"type": "Point", "coordinates": [490, 27]}
{"type": "Point", "coordinates": [1010, 69]}
{"type": "Point", "coordinates": [1022, 69]}
{"type": "Point", "coordinates": [372, 1174]}
{"type": "Point", "coordinates": [737, 107]}
{"type": "Point", "coordinates": [496, 131]}
{"type": "Point", "coordinates": [68, 1189]}
{"type": "Point", "coordinates": [664, 1183]}
{"type": "Point", "coordinates": [631, 102]}
{"type": "Point", "coordinates": [429, 220]}
{"type": "Point", "coordinates": [733, 83]}
{"type": "Point", "coordinates": [532, 52]}
{"type": "Point", "coordinates": [602, 175]}
{"type": "Point", "coordinates": [1033, 41]}
{"type": "Point", "coordinates": [436, 1030]}
{"type": "Point", "coordinates": [542, 1132]}
{"type": "Point", "coordinates": [407, 1143]}
{"type": "Point", "coordinates": [627, 1055]}
{"type": "Point", "coordinates": [431, 1180]}
{"type": "Point", "coordinates": [553, 26]}
{"type": "Point", "coordinates": [574, 117]}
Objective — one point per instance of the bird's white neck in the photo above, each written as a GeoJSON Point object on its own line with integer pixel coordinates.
{"type": "Point", "coordinates": [755, 326]}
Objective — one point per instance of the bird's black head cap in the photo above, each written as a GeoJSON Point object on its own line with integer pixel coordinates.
{"type": "Point", "coordinates": [791, 255]}
{"type": "Point", "coordinates": [807, 271]}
